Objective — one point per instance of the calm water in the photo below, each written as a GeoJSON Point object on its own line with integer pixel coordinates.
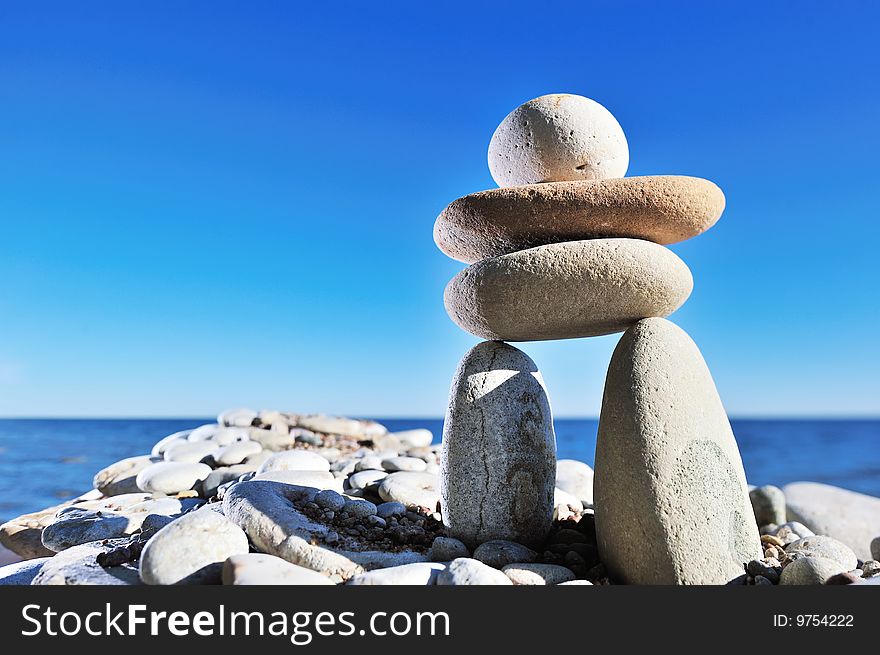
{"type": "Point", "coordinates": [45, 461]}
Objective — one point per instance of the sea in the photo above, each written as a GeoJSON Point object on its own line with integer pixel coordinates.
{"type": "Point", "coordinates": [46, 461]}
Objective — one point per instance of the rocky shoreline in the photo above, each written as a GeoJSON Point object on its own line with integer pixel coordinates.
{"type": "Point", "coordinates": [258, 498]}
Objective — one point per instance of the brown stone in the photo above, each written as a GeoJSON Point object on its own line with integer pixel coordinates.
{"type": "Point", "coordinates": [660, 208]}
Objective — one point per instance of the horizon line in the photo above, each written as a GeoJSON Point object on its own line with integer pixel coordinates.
{"type": "Point", "coordinates": [401, 417]}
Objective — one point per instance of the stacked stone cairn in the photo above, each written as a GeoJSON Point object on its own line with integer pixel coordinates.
{"type": "Point", "coordinates": [566, 248]}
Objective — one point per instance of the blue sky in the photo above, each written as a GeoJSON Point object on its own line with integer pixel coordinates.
{"type": "Point", "coordinates": [225, 204]}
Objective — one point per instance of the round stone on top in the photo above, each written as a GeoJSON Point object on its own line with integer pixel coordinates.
{"type": "Point", "coordinates": [555, 138]}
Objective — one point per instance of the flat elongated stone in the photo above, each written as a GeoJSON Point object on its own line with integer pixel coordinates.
{"type": "Point", "coordinates": [115, 517]}
{"type": "Point", "coordinates": [660, 208]}
{"type": "Point", "coordinates": [848, 516]}
{"type": "Point", "coordinates": [418, 573]}
{"type": "Point", "coordinates": [498, 461]}
{"type": "Point", "coordinates": [466, 572]}
{"type": "Point", "coordinates": [672, 505]}
{"type": "Point", "coordinates": [567, 290]}
{"type": "Point", "coordinates": [79, 566]}
{"type": "Point", "coordinates": [266, 511]}
{"type": "Point", "coordinates": [262, 569]}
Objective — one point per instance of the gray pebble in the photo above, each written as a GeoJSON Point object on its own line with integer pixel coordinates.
{"type": "Point", "coordinates": [809, 571]}
{"type": "Point", "coordinates": [768, 503]}
{"type": "Point", "coordinates": [446, 549]}
{"type": "Point", "coordinates": [822, 546]}
{"type": "Point", "coordinates": [498, 553]}
{"type": "Point", "coordinates": [393, 464]}
{"type": "Point", "coordinates": [330, 500]}
{"type": "Point", "coordinates": [387, 510]}
{"type": "Point", "coordinates": [359, 508]}
{"type": "Point", "coordinates": [466, 571]}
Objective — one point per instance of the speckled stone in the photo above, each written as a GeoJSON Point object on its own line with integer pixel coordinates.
{"type": "Point", "coordinates": [498, 460]}
{"type": "Point", "coordinates": [669, 487]}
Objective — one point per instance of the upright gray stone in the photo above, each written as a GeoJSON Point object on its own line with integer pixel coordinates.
{"type": "Point", "coordinates": [498, 460]}
{"type": "Point", "coordinates": [671, 500]}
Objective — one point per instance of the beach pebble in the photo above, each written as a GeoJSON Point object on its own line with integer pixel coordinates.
{"type": "Point", "coordinates": [368, 479]}
{"type": "Point", "coordinates": [413, 489]}
{"type": "Point", "coordinates": [446, 549]}
{"type": "Point", "coordinates": [567, 290]}
{"type": "Point", "coordinates": [393, 464]}
{"type": "Point", "coordinates": [369, 463]}
{"type": "Point", "coordinates": [191, 550]}
{"type": "Point", "coordinates": [110, 518]}
{"type": "Point", "coordinates": [466, 571]}
{"type": "Point", "coordinates": [163, 444]}
{"type": "Point", "coordinates": [668, 468]}
{"type": "Point", "coordinates": [271, 440]}
{"type": "Point", "coordinates": [524, 573]}
{"type": "Point", "coordinates": [75, 526]}
{"type": "Point", "coordinates": [792, 531]}
{"type": "Point", "coordinates": [418, 573]}
{"type": "Point", "coordinates": [559, 136]}
{"type": "Point", "coordinates": [78, 566]}
{"type": "Point", "coordinates": [204, 432]}
{"type": "Point", "coordinates": [220, 476]}
{"type": "Point", "coordinates": [21, 573]}
{"type": "Point", "coordinates": [359, 508]}
{"type": "Point", "coordinates": [810, 571]}
{"type": "Point", "coordinates": [387, 510]}
{"type": "Point", "coordinates": [575, 478]}
{"type": "Point", "coordinates": [825, 547]}
{"type": "Point", "coordinates": [663, 209]}
{"type": "Point", "coordinates": [171, 477]}
{"type": "Point", "coordinates": [871, 568]}
{"type": "Point", "coordinates": [768, 504]}
{"type": "Point", "coordinates": [499, 451]}
{"type": "Point", "coordinates": [768, 567]}
{"type": "Point", "coordinates": [225, 436]}
{"type": "Point", "coordinates": [875, 548]}
{"type": "Point", "coordinates": [498, 553]}
{"type": "Point", "coordinates": [315, 479]}
{"type": "Point", "coordinates": [121, 477]}
{"type": "Point", "coordinates": [576, 582]}
{"type": "Point", "coordinates": [236, 453]}
{"type": "Point", "coordinates": [189, 452]}
{"type": "Point", "coordinates": [330, 500]}
{"type": "Point", "coordinates": [294, 460]}
{"type": "Point", "coordinates": [262, 569]}
{"type": "Point", "coordinates": [239, 417]}
{"type": "Point", "coordinates": [418, 438]}
{"type": "Point", "coordinates": [845, 515]}
{"type": "Point", "coordinates": [349, 427]}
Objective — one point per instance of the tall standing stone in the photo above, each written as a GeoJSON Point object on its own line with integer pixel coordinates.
{"type": "Point", "coordinates": [671, 500]}
{"type": "Point", "coordinates": [498, 462]}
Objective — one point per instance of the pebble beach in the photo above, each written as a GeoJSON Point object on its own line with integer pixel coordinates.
{"type": "Point", "coordinates": [566, 247]}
